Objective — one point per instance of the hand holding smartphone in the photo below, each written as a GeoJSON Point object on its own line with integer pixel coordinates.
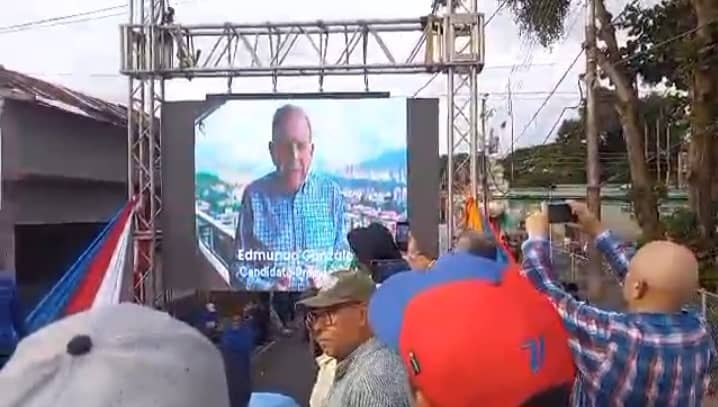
{"type": "Point", "coordinates": [560, 212]}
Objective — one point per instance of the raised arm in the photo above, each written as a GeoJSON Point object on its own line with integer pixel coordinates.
{"type": "Point", "coordinates": [578, 317]}
{"type": "Point", "coordinates": [617, 252]}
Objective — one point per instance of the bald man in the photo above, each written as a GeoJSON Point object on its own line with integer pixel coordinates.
{"type": "Point", "coordinates": [656, 353]}
{"type": "Point", "coordinates": [291, 225]}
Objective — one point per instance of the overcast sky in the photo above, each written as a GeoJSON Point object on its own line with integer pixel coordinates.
{"type": "Point", "coordinates": [85, 55]}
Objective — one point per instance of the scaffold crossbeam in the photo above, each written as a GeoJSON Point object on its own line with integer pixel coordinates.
{"type": "Point", "coordinates": [300, 49]}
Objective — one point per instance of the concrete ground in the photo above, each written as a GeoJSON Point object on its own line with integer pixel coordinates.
{"type": "Point", "coordinates": [285, 366]}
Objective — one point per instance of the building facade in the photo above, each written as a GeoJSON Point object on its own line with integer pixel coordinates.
{"type": "Point", "coordinates": [64, 174]}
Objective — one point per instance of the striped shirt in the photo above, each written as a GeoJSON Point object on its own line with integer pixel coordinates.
{"type": "Point", "coordinates": [283, 239]}
{"type": "Point", "coordinates": [627, 359]}
{"type": "Point", "coordinates": [371, 376]}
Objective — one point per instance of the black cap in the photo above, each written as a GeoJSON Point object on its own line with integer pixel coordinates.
{"type": "Point", "coordinates": [79, 345]}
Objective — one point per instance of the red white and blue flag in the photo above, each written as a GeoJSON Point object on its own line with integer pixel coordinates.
{"type": "Point", "coordinates": [95, 279]}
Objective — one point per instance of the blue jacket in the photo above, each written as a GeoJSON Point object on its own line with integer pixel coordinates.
{"type": "Point", "coordinates": [12, 324]}
{"type": "Point", "coordinates": [236, 346]}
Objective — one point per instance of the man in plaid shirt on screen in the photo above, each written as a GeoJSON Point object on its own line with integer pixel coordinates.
{"type": "Point", "coordinates": [654, 354]}
{"type": "Point", "coordinates": [291, 227]}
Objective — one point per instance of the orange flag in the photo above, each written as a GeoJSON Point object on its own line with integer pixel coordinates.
{"type": "Point", "coordinates": [473, 219]}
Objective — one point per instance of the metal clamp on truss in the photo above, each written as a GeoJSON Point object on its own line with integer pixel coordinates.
{"type": "Point", "coordinates": [465, 39]}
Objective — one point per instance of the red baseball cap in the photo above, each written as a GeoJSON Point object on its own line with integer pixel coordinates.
{"type": "Point", "coordinates": [475, 333]}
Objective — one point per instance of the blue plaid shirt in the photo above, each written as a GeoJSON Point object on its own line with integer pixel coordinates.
{"type": "Point", "coordinates": [627, 359]}
{"type": "Point", "coordinates": [286, 241]}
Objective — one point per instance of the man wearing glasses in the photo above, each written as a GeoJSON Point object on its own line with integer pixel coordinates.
{"type": "Point", "coordinates": [291, 221]}
{"type": "Point", "coordinates": [367, 373]}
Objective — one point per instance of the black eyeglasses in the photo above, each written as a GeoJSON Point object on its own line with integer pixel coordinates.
{"type": "Point", "coordinates": [327, 315]}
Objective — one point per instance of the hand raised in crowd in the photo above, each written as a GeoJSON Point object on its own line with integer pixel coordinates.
{"type": "Point", "coordinates": [537, 224]}
{"type": "Point", "coordinates": [587, 219]}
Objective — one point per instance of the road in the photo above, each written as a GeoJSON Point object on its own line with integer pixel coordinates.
{"type": "Point", "coordinates": [285, 366]}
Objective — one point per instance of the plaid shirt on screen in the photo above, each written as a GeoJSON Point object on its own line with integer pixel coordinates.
{"type": "Point", "coordinates": [284, 241]}
{"type": "Point", "coordinates": [626, 359]}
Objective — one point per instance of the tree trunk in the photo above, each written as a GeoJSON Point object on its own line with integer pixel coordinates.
{"type": "Point", "coordinates": [643, 196]}
{"type": "Point", "coordinates": [702, 160]}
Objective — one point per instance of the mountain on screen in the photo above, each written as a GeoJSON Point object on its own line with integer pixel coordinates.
{"type": "Point", "coordinates": [388, 160]}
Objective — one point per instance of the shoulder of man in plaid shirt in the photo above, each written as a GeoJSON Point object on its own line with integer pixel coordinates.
{"type": "Point", "coordinates": [310, 222]}
{"type": "Point", "coordinates": [626, 359]}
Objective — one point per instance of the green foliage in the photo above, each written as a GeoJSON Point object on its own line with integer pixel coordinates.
{"type": "Point", "coordinates": [682, 227]}
{"type": "Point", "coordinates": [657, 47]}
{"type": "Point", "coordinates": [545, 165]}
{"type": "Point", "coordinates": [211, 189]}
{"type": "Point", "coordinates": [563, 161]}
{"type": "Point", "coordinates": [540, 20]}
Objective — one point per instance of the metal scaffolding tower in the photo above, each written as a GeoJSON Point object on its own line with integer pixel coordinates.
{"type": "Point", "coordinates": [155, 48]}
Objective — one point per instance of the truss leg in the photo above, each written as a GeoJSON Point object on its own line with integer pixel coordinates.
{"type": "Point", "coordinates": [146, 95]}
{"type": "Point", "coordinates": [463, 28]}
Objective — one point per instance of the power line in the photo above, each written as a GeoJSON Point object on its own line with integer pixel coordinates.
{"type": "Point", "coordinates": [63, 20]}
{"type": "Point", "coordinates": [665, 42]}
{"type": "Point", "coordinates": [548, 97]}
{"type": "Point", "coordinates": [622, 61]}
{"type": "Point", "coordinates": [60, 18]}
{"type": "Point", "coordinates": [498, 9]}
{"type": "Point", "coordinates": [71, 19]}
{"type": "Point", "coordinates": [545, 102]}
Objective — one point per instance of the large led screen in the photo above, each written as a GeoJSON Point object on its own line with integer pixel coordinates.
{"type": "Point", "coordinates": [285, 181]}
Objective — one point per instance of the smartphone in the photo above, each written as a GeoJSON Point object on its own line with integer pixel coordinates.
{"type": "Point", "coordinates": [402, 235]}
{"type": "Point", "coordinates": [560, 212]}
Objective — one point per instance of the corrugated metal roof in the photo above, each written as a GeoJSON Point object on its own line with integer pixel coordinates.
{"type": "Point", "coordinates": [15, 85]}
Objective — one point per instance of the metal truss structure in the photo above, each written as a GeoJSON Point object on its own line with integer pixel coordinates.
{"type": "Point", "coordinates": [155, 48]}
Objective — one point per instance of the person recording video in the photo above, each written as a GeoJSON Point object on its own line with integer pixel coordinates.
{"type": "Point", "coordinates": [291, 221]}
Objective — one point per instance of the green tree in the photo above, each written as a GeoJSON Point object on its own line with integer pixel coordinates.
{"type": "Point", "coordinates": [563, 161]}
{"type": "Point", "coordinates": [674, 42]}
{"type": "Point", "coordinates": [543, 21]}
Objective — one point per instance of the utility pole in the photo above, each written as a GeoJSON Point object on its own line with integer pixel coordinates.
{"type": "Point", "coordinates": [645, 140]}
{"type": "Point", "coordinates": [593, 164]}
{"type": "Point", "coordinates": [679, 168]}
{"type": "Point", "coordinates": [658, 150]}
{"type": "Point", "coordinates": [511, 117]}
{"type": "Point", "coordinates": [668, 155]}
{"type": "Point", "coordinates": [484, 159]}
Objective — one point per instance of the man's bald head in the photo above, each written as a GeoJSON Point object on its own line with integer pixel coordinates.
{"type": "Point", "coordinates": [287, 115]}
{"type": "Point", "coordinates": [661, 274]}
{"type": "Point", "coordinates": [291, 147]}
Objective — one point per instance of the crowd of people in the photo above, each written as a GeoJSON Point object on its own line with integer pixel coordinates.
{"type": "Point", "coordinates": [403, 329]}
